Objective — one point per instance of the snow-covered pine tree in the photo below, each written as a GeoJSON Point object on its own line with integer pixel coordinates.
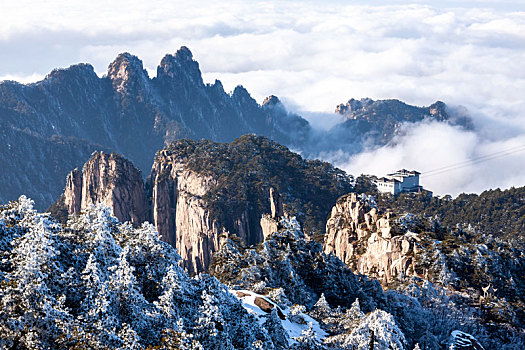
{"type": "Point", "coordinates": [387, 334]}
{"type": "Point", "coordinates": [149, 255]}
{"type": "Point", "coordinates": [97, 308]}
{"type": "Point", "coordinates": [29, 314]}
{"type": "Point", "coordinates": [307, 340]}
{"type": "Point", "coordinates": [172, 299]}
{"type": "Point", "coordinates": [95, 228]}
{"type": "Point", "coordinates": [132, 308]}
{"type": "Point", "coordinates": [275, 330]}
{"type": "Point", "coordinates": [321, 309]}
{"type": "Point", "coordinates": [210, 327]}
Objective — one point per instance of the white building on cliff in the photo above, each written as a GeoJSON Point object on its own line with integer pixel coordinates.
{"type": "Point", "coordinates": [401, 181]}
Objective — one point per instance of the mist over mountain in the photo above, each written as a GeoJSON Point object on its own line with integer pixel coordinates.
{"type": "Point", "coordinates": [58, 122]}
{"type": "Point", "coordinates": [368, 125]}
{"type": "Point", "coordinates": [178, 209]}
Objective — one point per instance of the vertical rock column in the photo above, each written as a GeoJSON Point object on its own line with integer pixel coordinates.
{"type": "Point", "coordinates": [181, 213]}
{"type": "Point", "coordinates": [109, 179]}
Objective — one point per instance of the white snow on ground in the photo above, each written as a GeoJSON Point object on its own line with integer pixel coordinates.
{"type": "Point", "coordinates": [462, 340]}
{"type": "Point", "coordinates": [293, 329]}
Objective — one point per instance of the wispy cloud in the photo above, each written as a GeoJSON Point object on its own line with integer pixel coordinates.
{"type": "Point", "coordinates": [312, 54]}
{"type": "Point", "coordinates": [452, 160]}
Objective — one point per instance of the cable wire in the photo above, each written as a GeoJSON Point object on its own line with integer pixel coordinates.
{"type": "Point", "coordinates": [476, 160]}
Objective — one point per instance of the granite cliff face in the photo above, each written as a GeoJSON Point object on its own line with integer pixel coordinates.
{"type": "Point", "coordinates": [368, 240]}
{"type": "Point", "coordinates": [199, 189]}
{"type": "Point", "coordinates": [176, 205]}
{"type": "Point", "coordinates": [179, 211]}
{"type": "Point", "coordinates": [109, 179]}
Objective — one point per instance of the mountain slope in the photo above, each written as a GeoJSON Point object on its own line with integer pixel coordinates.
{"type": "Point", "coordinates": [100, 284]}
{"type": "Point", "coordinates": [198, 189]}
{"type": "Point", "coordinates": [401, 246]}
{"type": "Point", "coordinates": [126, 112]}
{"type": "Point", "coordinates": [130, 113]}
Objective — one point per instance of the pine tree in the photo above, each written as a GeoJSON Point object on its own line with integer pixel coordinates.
{"type": "Point", "coordinates": [386, 333]}
{"type": "Point", "coordinates": [210, 328]}
{"type": "Point", "coordinates": [97, 227]}
{"type": "Point", "coordinates": [321, 309]}
{"type": "Point", "coordinates": [132, 307]}
{"type": "Point", "coordinates": [98, 310]}
{"type": "Point", "coordinates": [308, 340]}
{"type": "Point", "coordinates": [150, 257]}
{"type": "Point", "coordinates": [275, 330]}
{"type": "Point", "coordinates": [130, 339]}
{"type": "Point", "coordinates": [174, 301]}
{"type": "Point", "coordinates": [29, 313]}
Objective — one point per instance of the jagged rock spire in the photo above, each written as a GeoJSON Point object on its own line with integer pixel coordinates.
{"type": "Point", "coordinates": [180, 66]}
{"type": "Point", "coordinates": [276, 204]}
{"type": "Point", "coordinates": [127, 73]}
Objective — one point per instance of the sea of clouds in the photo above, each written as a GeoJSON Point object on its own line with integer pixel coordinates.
{"type": "Point", "coordinates": [315, 55]}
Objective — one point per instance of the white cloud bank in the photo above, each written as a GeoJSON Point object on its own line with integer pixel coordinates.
{"type": "Point", "coordinates": [451, 160]}
{"type": "Point", "coordinates": [315, 55]}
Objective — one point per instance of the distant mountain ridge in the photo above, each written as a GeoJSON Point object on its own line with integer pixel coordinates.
{"type": "Point", "coordinates": [125, 111]}
{"type": "Point", "coordinates": [376, 122]}
{"type": "Point", "coordinates": [52, 126]}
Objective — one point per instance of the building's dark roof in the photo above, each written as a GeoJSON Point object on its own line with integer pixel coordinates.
{"type": "Point", "coordinates": [404, 172]}
{"type": "Point", "coordinates": [385, 179]}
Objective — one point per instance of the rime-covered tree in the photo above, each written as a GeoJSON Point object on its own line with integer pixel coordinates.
{"type": "Point", "coordinates": [210, 326]}
{"type": "Point", "coordinates": [131, 306]}
{"type": "Point", "coordinates": [382, 325]}
{"type": "Point", "coordinates": [307, 341]}
{"type": "Point", "coordinates": [30, 315]}
{"type": "Point", "coordinates": [97, 283]}
{"type": "Point", "coordinates": [275, 330]}
{"type": "Point", "coordinates": [321, 309]}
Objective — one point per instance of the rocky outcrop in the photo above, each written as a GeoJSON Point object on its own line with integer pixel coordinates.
{"type": "Point", "coordinates": [463, 341]}
{"type": "Point", "coordinates": [270, 222]}
{"type": "Point", "coordinates": [109, 179]}
{"type": "Point", "coordinates": [198, 190]}
{"type": "Point", "coordinates": [269, 225]}
{"type": "Point", "coordinates": [180, 212]}
{"type": "Point", "coordinates": [177, 206]}
{"type": "Point", "coordinates": [73, 192]}
{"type": "Point", "coordinates": [368, 240]}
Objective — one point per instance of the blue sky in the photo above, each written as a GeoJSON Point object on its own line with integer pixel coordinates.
{"type": "Point", "coordinates": [314, 55]}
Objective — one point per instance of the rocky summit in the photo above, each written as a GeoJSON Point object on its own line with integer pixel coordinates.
{"type": "Point", "coordinates": [109, 179]}
{"type": "Point", "coordinates": [377, 122]}
{"type": "Point", "coordinates": [55, 124]}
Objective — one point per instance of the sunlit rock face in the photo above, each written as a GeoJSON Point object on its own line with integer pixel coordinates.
{"type": "Point", "coordinates": [363, 238]}
{"type": "Point", "coordinates": [109, 179]}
